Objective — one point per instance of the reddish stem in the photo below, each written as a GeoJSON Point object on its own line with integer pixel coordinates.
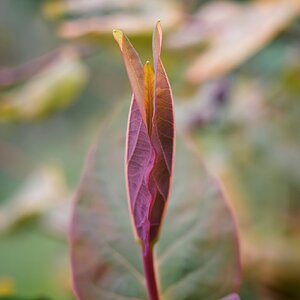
{"type": "Point", "coordinates": [150, 273]}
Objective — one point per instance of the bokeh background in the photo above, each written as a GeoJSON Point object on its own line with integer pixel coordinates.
{"type": "Point", "coordinates": [235, 71]}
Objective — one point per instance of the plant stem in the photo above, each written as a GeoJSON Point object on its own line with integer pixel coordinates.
{"type": "Point", "coordinates": [150, 273]}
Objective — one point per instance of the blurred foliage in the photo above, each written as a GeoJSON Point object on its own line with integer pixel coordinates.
{"type": "Point", "coordinates": [18, 298]}
{"type": "Point", "coordinates": [60, 74]}
{"type": "Point", "coordinates": [53, 88]}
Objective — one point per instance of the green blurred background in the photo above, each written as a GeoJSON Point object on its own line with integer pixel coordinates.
{"type": "Point", "coordinates": [235, 71]}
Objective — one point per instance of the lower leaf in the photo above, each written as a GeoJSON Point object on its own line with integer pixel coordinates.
{"type": "Point", "coordinates": [197, 254]}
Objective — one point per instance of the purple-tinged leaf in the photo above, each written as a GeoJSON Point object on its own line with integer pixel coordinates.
{"type": "Point", "coordinates": [150, 140]}
{"type": "Point", "coordinates": [140, 158]}
{"type": "Point", "coordinates": [134, 69]}
{"type": "Point", "coordinates": [197, 255]}
{"type": "Point", "coordinates": [162, 137]}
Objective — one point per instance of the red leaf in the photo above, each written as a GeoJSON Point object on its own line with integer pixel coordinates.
{"type": "Point", "coordinates": [197, 256]}
{"type": "Point", "coordinates": [150, 139]}
{"type": "Point", "coordinates": [139, 163]}
{"type": "Point", "coordinates": [134, 68]}
{"type": "Point", "coordinates": [162, 135]}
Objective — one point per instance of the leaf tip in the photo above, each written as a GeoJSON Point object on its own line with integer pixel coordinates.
{"type": "Point", "coordinates": [157, 41]}
{"type": "Point", "coordinates": [158, 25]}
{"type": "Point", "coordinates": [118, 36]}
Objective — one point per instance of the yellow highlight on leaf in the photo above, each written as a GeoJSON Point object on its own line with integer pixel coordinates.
{"type": "Point", "coordinates": [7, 287]}
{"type": "Point", "coordinates": [148, 93]}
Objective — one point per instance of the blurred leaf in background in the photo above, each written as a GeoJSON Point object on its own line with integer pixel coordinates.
{"type": "Point", "coordinates": [79, 18]}
{"type": "Point", "coordinates": [233, 32]}
{"type": "Point", "coordinates": [43, 190]}
{"type": "Point", "coordinates": [247, 130]}
{"type": "Point", "coordinates": [18, 298]}
{"type": "Point", "coordinates": [52, 88]}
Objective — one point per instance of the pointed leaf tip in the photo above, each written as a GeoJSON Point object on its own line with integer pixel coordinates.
{"type": "Point", "coordinates": [156, 43]}
{"type": "Point", "coordinates": [158, 27]}
{"type": "Point", "coordinates": [118, 36]}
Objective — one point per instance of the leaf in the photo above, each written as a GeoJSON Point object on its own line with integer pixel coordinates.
{"type": "Point", "coordinates": [41, 192]}
{"type": "Point", "coordinates": [164, 112]}
{"type": "Point", "coordinates": [137, 19]}
{"type": "Point", "coordinates": [254, 153]}
{"type": "Point", "coordinates": [197, 255]}
{"type": "Point", "coordinates": [206, 24]}
{"type": "Point", "coordinates": [134, 69]}
{"type": "Point", "coordinates": [140, 158]}
{"type": "Point", "coordinates": [52, 88]}
{"type": "Point", "coordinates": [150, 139]}
{"type": "Point", "coordinates": [233, 39]}
{"type": "Point", "coordinates": [57, 9]}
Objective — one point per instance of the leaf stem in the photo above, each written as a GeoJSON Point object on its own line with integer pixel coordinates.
{"type": "Point", "coordinates": [150, 273]}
